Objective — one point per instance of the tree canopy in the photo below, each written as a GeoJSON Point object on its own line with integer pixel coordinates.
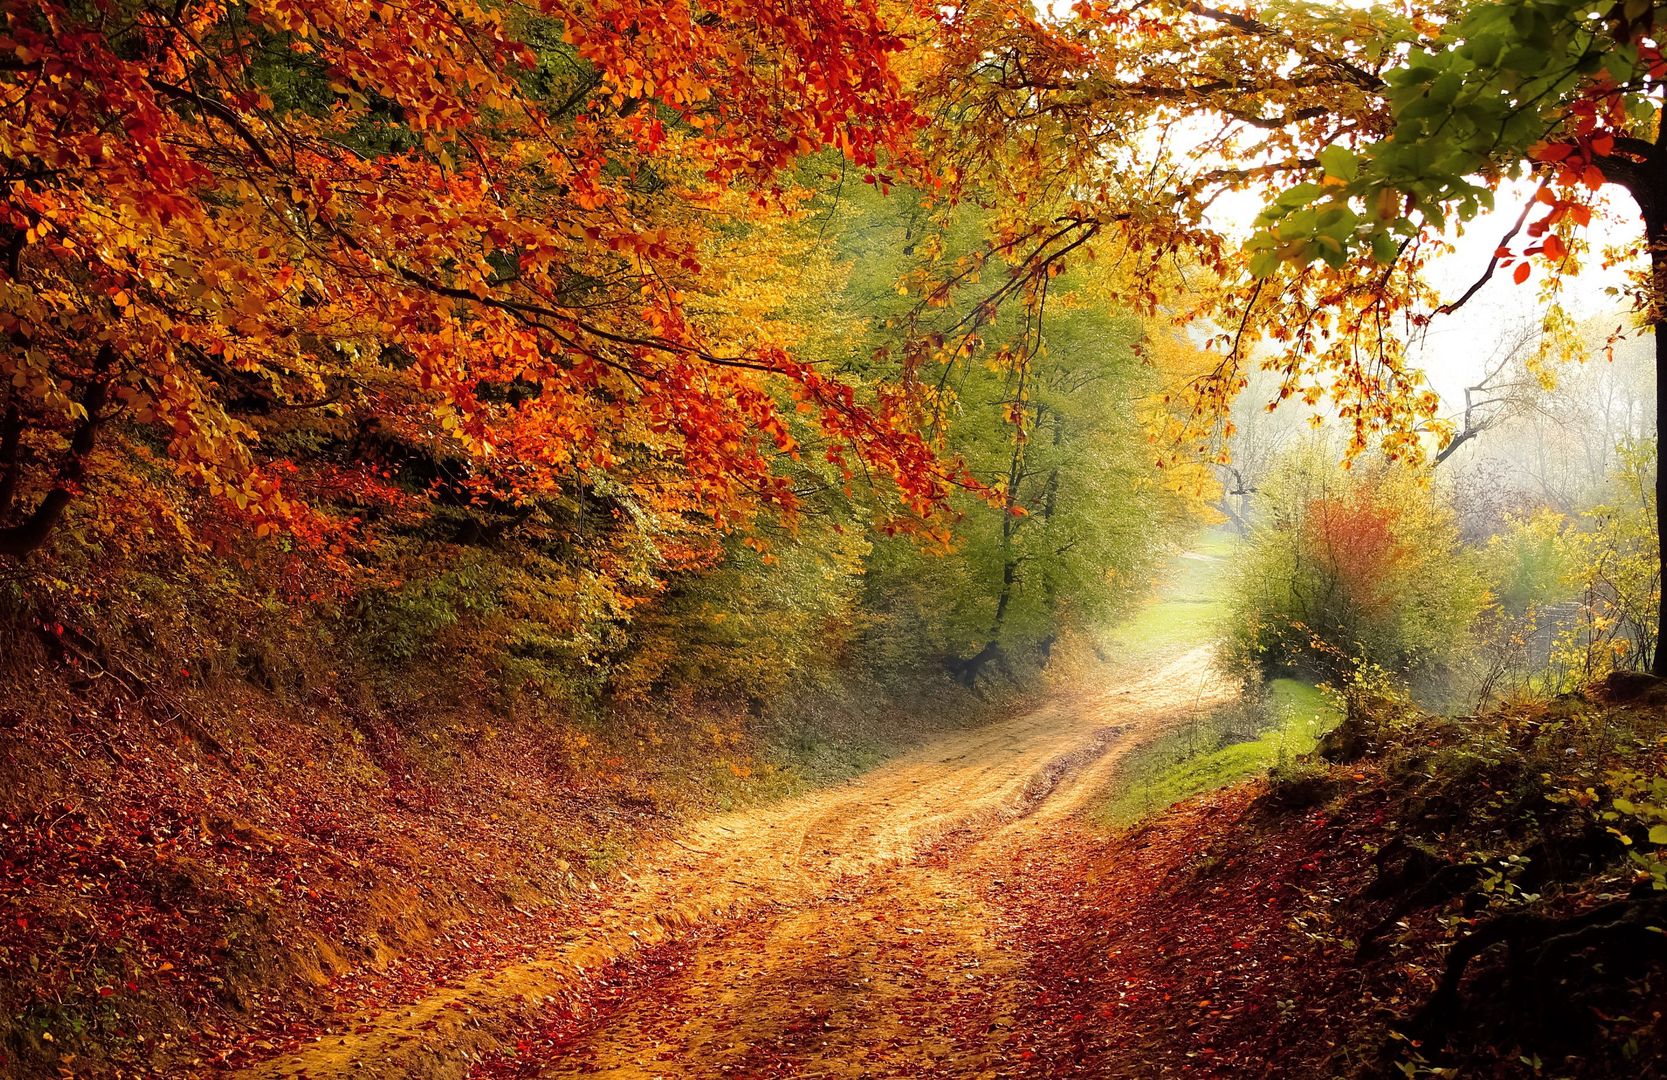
{"type": "Point", "coordinates": [501, 233]}
{"type": "Point", "coordinates": [335, 263]}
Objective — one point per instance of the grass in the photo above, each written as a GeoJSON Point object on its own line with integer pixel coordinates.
{"type": "Point", "coordinates": [1219, 543]}
{"type": "Point", "coordinates": [1231, 744]}
{"type": "Point", "coordinates": [1169, 623]}
{"type": "Point", "coordinates": [1188, 608]}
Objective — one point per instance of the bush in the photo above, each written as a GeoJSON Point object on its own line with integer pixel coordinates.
{"type": "Point", "coordinates": [1348, 566]}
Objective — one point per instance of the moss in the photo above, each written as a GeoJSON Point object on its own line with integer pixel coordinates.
{"type": "Point", "coordinates": [1299, 784]}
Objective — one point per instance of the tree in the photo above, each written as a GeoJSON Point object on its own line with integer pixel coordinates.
{"type": "Point", "coordinates": [1506, 387]}
{"type": "Point", "coordinates": [1554, 436]}
{"type": "Point", "coordinates": [1116, 128]}
{"type": "Point", "coordinates": [1346, 566]}
{"type": "Point", "coordinates": [1040, 405]}
{"type": "Point", "coordinates": [1563, 92]}
{"type": "Point", "coordinates": [481, 232]}
{"type": "Point", "coordinates": [1112, 133]}
{"type": "Point", "coordinates": [1260, 438]}
{"type": "Point", "coordinates": [1054, 433]}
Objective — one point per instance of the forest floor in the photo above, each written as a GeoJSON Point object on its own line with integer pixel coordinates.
{"type": "Point", "coordinates": [854, 931]}
{"type": "Point", "coordinates": [1133, 871]}
{"type": "Point", "coordinates": [1009, 898]}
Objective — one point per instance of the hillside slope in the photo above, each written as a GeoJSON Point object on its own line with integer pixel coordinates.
{"type": "Point", "coordinates": [254, 866]}
{"type": "Point", "coordinates": [1459, 898]}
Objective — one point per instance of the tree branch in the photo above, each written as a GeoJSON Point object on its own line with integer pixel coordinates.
{"type": "Point", "coordinates": [1493, 262]}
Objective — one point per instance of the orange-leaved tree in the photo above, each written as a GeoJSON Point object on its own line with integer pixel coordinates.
{"type": "Point", "coordinates": [1351, 566]}
{"type": "Point", "coordinates": [477, 228]}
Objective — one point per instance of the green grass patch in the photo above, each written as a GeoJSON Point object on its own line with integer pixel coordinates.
{"type": "Point", "coordinates": [1188, 608]}
{"type": "Point", "coordinates": [1221, 543]}
{"type": "Point", "coordinates": [1220, 748]}
{"type": "Point", "coordinates": [1169, 623]}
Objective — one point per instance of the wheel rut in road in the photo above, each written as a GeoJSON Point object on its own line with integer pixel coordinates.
{"type": "Point", "coordinates": [847, 932]}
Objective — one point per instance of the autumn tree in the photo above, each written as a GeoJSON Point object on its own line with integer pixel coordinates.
{"type": "Point", "coordinates": [478, 233]}
{"type": "Point", "coordinates": [1349, 566]}
{"type": "Point", "coordinates": [1040, 404]}
{"type": "Point", "coordinates": [1120, 131]}
{"type": "Point", "coordinates": [1112, 132]}
{"type": "Point", "coordinates": [1564, 94]}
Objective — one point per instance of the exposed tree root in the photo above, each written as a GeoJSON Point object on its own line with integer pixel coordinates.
{"type": "Point", "coordinates": [1540, 949]}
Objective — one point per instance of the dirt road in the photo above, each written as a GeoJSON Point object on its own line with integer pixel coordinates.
{"type": "Point", "coordinates": [856, 931]}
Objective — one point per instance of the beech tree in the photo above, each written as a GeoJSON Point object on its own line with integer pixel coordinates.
{"type": "Point", "coordinates": [477, 228]}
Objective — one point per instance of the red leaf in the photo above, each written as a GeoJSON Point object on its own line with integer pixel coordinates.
{"type": "Point", "coordinates": [1523, 270]}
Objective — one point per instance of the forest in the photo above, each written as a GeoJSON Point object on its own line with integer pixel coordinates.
{"type": "Point", "coordinates": [856, 538]}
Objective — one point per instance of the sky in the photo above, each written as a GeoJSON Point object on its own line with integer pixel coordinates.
{"type": "Point", "coordinates": [1455, 348]}
{"type": "Point", "coordinates": [1458, 344]}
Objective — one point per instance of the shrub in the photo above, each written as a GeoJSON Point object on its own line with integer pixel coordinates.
{"type": "Point", "coordinates": [1346, 566]}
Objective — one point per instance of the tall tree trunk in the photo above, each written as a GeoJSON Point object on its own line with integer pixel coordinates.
{"type": "Point", "coordinates": [1648, 184]}
{"type": "Point", "coordinates": [967, 670]}
{"type": "Point", "coordinates": [1009, 559]}
{"type": "Point", "coordinates": [1658, 325]}
{"type": "Point", "coordinates": [1010, 519]}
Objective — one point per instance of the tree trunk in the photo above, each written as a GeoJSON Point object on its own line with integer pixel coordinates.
{"type": "Point", "coordinates": [968, 669]}
{"type": "Point", "coordinates": [1009, 526]}
{"type": "Point", "coordinates": [20, 540]}
{"type": "Point", "coordinates": [1658, 326]}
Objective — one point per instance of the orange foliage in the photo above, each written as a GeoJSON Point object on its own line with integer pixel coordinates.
{"type": "Point", "coordinates": [474, 228]}
{"type": "Point", "coordinates": [1351, 539]}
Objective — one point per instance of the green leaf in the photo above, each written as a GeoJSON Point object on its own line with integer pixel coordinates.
{"type": "Point", "coordinates": [1299, 194]}
{"type": "Point", "coordinates": [1446, 88]}
{"type": "Point", "coordinates": [1339, 162]}
{"type": "Point", "coordinates": [1527, 59]}
{"type": "Point", "coordinates": [1658, 835]}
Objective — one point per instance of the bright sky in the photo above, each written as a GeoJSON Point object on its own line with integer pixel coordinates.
{"type": "Point", "coordinates": [1455, 347]}
{"type": "Point", "coordinates": [1458, 344]}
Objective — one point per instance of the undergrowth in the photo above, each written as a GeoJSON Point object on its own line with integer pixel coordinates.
{"type": "Point", "coordinates": [1424, 896]}
{"type": "Point", "coordinates": [1266, 729]}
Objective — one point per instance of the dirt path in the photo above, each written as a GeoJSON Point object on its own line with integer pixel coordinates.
{"type": "Point", "coordinates": [844, 933]}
